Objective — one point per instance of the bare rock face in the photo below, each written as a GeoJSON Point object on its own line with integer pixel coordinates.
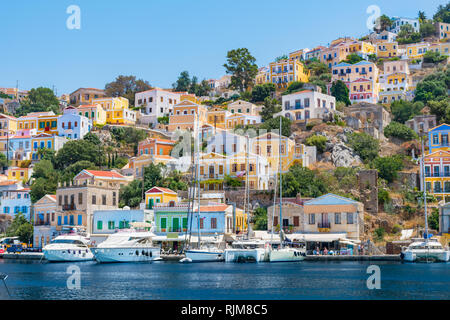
{"type": "Point", "coordinates": [343, 156]}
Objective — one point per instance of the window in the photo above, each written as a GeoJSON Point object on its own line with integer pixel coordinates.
{"type": "Point", "coordinates": [111, 225]}
{"type": "Point", "coordinates": [213, 223]}
{"type": "Point", "coordinates": [312, 218]}
{"type": "Point", "coordinates": [104, 200]}
{"type": "Point", "coordinates": [349, 218]}
{"type": "Point", "coordinates": [275, 221]}
{"type": "Point", "coordinates": [201, 223]}
{"type": "Point", "coordinates": [99, 225]}
{"type": "Point", "coordinates": [163, 223]}
{"type": "Point", "coordinates": [80, 198]}
{"type": "Point", "coordinates": [337, 218]}
{"type": "Point", "coordinates": [80, 220]}
{"type": "Point", "coordinates": [114, 198]}
{"type": "Point", "coordinates": [94, 199]}
{"type": "Point", "coordinates": [296, 221]}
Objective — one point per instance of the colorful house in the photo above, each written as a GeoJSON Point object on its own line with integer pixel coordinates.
{"type": "Point", "coordinates": [19, 174]}
{"type": "Point", "coordinates": [155, 146]}
{"type": "Point", "coordinates": [16, 201]}
{"type": "Point", "coordinates": [44, 140]}
{"type": "Point", "coordinates": [363, 90]}
{"type": "Point", "coordinates": [20, 146]}
{"type": "Point", "coordinates": [71, 125]}
{"type": "Point", "coordinates": [184, 116]}
{"type": "Point", "coordinates": [95, 113]}
{"type": "Point", "coordinates": [44, 222]}
{"type": "Point", "coordinates": [117, 110]}
{"type": "Point", "coordinates": [442, 30]}
{"type": "Point", "coordinates": [307, 104]}
{"type": "Point", "coordinates": [350, 72]}
{"type": "Point", "coordinates": [387, 49]}
{"type": "Point", "coordinates": [437, 173]}
{"type": "Point", "coordinates": [241, 119]}
{"type": "Point", "coordinates": [157, 195]}
{"type": "Point", "coordinates": [283, 72]}
{"type": "Point", "coordinates": [267, 145]}
{"type": "Point", "coordinates": [438, 138]}
{"type": "Point", "coordinates": [245, 107]}
{"type": "Point", "coordinates": [216, 117]}
{"type": "Point", "coordinates": [417, 50]}
{"type": "Point", "coordinates": [47, 123]}
{"type": "Point", "coordinates": [85, 96]}
{"type": "Point", "coordinates": [8, 125]}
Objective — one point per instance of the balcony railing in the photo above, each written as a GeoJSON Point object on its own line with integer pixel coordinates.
{"type": "Point", "coordinates": [324, 225]}
{"type": "Point", "coordinates": [67, 207]}
{"type": "Point", "coordinates": [437, 175]}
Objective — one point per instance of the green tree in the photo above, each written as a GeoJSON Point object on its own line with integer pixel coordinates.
{"type": "Point", "coordinates": [403, 110]}
{"type": "Point", "coordinates": [294, 87]}
{"type": "Point", "coordinates": [242, 67]}
{"type": "Point", "coordinates": [20, 227]}
{"type": "Point", "coordinates": [262, 91]}
{"type": "Point", "coordinates": [388, 167]}
{"type": "Point", "coordinates": [127, 87]}
{"type": "Point", "coordinates": [316, 67]}
{"type": "Point", "coordinates": [93, 138]}
{"type": "Point", "coordinates": [353, 58]}
{"type": "Point", "coordinates": [273, 124]}
{"type": "Point", "coordinates": [434, 57]}
{"type": "Point", "coordinates": [183, 82]}
{"type": "Point", "coordinates": [39, 100]}
{"type": "Point", "coordinates": [400, 131]}
{"type": "Point", "coordinates": [260, 219]}
{"type": "Point", "coordinates": [271, 106]}
{"type": "Point", "coordinates": [364, 145]}
{"type": "Point", "coordinates": [129, 136]}
{"type": "Point", "coordinates": [3, 161]}
{"type": "Point", "coordinates": [441, 109]}
{"type": "Point", "coordinates": [304, 181]}
{"type": "Point", "coordinates": [318, 141]}
{"type": "Point", "coordinates": [433, 219]}
{"type": "Point", "coordinates": [382, 23]}
{"type": "Point", "coordinates": [45, 180]}
{"type": "Point", "coordinates": [340, 91]}
{"type": "Point", "coordinates": [442, 14]}
{"type": "Point", "coordinates": [421, 16]}
{"type": "Point", "coordinates": [427, 29]}
{"type": "Point", "coordinates": [78, 150]}
{"type": "Point", "coordinates": [232, 182]}
{"type": "Point", "coordinates": [408, 35]}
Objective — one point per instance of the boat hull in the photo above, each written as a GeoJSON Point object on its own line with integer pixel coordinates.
{"type": "Point", "coordinates": [286, 255]}
{"type": "Point", "coordinates": [245, 255]}
{"type": "Point", "coordinates": [424, 255]}
{"type": "Point", "coordinates": [111, 255]}
{"type": "Point", "coordinates": [205, 256]}
{"type": "Point", "coordinates": [68, 255]}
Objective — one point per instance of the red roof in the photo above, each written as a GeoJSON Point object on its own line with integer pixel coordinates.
{"type": "Point", "coordinates": [160, 189]}
{"type": "Point", "coordinates": [218, 207]}
{"type": "Point", "coordinates": [7, 183]}
{"type": "Point", "coordinates": [105, 174]}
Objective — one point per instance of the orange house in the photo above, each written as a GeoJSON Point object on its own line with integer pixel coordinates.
{"type": "Point", "coordinates": [154, 146]}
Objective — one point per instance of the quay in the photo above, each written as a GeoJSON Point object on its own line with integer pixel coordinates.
{"type": "Point", "coordinates": [22, 256]}
{"type": "Point", "coordinates": [172, 257]}
{"type": "Point", "coordinates": [383, 257]}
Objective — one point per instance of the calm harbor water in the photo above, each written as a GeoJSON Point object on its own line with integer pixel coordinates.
{"type": "Point", "coordinates": [171, 280]}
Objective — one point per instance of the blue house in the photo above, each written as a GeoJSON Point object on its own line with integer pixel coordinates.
{"type": "Point", "coordinates": [16, 201]}
{"type": "Point", "coordinates": [109, 221]}
{"type": "Point", "coordinates": [72, 125]}
{"type": "Point", "coordinates": [438, 137]}
{"type": "Point", "coordinates": [212, 219]}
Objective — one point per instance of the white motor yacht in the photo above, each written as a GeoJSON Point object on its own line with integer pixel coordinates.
{"type": "Point", "coordinates": [205, 254]}
{"type": "Point", "coordinates": [127, 246]}
{"type": "Point", "coordinates": [69, 247]}
{"type": "Point", "coordinates": [428, 251]}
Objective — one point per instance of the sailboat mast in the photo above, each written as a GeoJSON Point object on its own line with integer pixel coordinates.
{"type": "Point", "coordinates": [281, 179]}
{"type": "Point", "coordinates": [247, 193]}
{"type": "Point", "coordinates": [424, 190]}
{"type": "Point", "coordinates": [198, 174]}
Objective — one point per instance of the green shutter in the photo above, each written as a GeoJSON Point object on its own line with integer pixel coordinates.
{"type": "Point", "coordinates": [176, 224]}
{"type": "Point", "coordinates": [163, 223]}
{"type": "Point", "coordinates": [185, 222]}
{"type": "Point", "coordinates": [99, 225]}
{"type": "Point", "coordinates": [120, 224]}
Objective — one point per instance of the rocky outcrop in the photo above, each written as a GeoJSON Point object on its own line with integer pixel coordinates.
{"type": "Point", "coordinates": [343, 156]}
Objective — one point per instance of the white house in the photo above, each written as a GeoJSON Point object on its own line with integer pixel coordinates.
{"type": "Point", "coordinates": [72, 125]}
{"type": "Point", "coordinates": [398, 22]}
{"type": "Point", "coordinates": [307, 104]}
{"type": "Point", "coordinates": [226, 142]}
{"type": "Point", "coordinates": [156, 103]}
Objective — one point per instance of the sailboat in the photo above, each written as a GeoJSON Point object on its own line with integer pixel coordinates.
{"type": "Point", "coordinates": [282, 253]}
{"type": "Point", "coordinates": [205, 252]}
{"type": "Point", "coordinates": [246, 250]}
{"type": "Point", "coordinates": [427, 250]}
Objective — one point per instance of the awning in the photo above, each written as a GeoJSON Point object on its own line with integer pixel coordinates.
{"type": "Point", "coordinates": [167, 239]}
{"type": "Point", "coordinates": [140, 225]}
{"type": "Point", "coordinates": [316, 237]}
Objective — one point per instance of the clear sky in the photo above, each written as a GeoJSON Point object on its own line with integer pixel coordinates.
{"type": "Point", "coordinates": [157, 39]}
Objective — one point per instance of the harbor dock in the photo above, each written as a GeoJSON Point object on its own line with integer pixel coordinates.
{"type": "Point", "coordinates": [384, 257]}
{"type": "Point", "coordinates": [23, 256]}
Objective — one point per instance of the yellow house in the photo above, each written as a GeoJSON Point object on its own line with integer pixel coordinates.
{"type": "Point", "coordinates": [19, 174]}
{"type": "Point", "coordinates": [241, 221]}
{"type": "Point", "coordinates": [94, 112]}
{"type": "Point", "coordinates": [139, 163]}
{"type": "Point", "coordinates": [117, 110]}
{"type": "Point", "coordinates": [216, 116]}
{"type": "Point", "coordinates": [443, 48]}
{"type": "Point", "coordinates": [262, 76]}
{"type": "Point", "coordinates": [267, 145]}
{"type": "Point", "coordinates": [47, 123]}
{"type": "Point", "coordinates": [283, 72]}
{"type": "Point", "coordinates": [8, 125]}
{"type": "Point", "coordinates": [387, 49]}
{"type": "Point", "coordinates": [184, 116]}
{"type": "Point", "coordinates": [159, 195]}
{"type": "Point", "coordinates": [417, 50]}
{"type": "Point", "coordinates": [27, 122]}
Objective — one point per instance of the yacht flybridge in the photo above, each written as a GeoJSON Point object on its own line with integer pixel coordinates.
{"type": "Point", "coordinates": [422, 250]}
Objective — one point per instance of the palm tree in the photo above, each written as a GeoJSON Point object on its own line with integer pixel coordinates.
{"type": "Point", "coordinates": [422, 17]}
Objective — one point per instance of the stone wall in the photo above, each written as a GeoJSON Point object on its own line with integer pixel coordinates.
{"type": "Point", "coordinates": [368, 189]}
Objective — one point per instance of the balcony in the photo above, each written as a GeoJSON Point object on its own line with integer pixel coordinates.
{"type": "Point", "coordinates": [324, 225]}
{"type": "Point", "coordinates": [68, 207]}
{"type": "Point", "coordinates": [41, 223]}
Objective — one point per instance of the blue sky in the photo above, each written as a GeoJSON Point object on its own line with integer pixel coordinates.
{"type": "Point", "coordinates": [157, 39]}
